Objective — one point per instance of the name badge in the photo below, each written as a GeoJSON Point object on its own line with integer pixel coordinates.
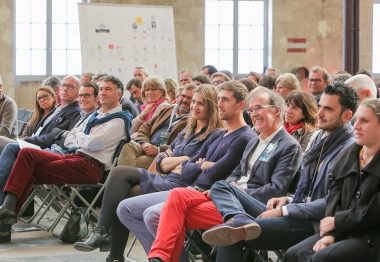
{"type": "Point", "coordinates": [265, 155]}
{"type": "Point", "coordinates": [164, 137]}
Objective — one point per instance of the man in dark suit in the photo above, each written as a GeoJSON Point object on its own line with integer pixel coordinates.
{"type": "Point", "coordinates": [289, 220]}
{"type": "Point", "coordinates": [268, 166]}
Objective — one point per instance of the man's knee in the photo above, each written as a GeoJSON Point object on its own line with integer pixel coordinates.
{"type": "Point", "coordinates": [291, 254]}
{"type": "Point", "coordinates": [221, 185]}
{"type": "Point", "coordinates": [117, 171]}
{"type": "Point", "coordinates": [129, 153]}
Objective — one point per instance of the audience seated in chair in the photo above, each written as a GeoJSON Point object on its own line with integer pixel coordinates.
{"type": "Point", "coordinates": [155, 135]}
{"type": "Point", "coordinates": [44, 103]}
{"type": "Point", "coordinates": [94, 147]}
{"type": "Point", "coordinates": [154, 96]}
{"type": "Point", "coordinates": [210, 163]}
{"type": "Point", "coordinates": [269, 164]}
{"type": "Point", "coordinates": [286, 221]}
{"type": "Point", "coordinates": [63, 117]}
{"type": "Point", "coordinates": [215, 161]}
{"type": "Point", "coordinates": [350, 229]}
{"type": "Point", "coordinates": [301, 116]}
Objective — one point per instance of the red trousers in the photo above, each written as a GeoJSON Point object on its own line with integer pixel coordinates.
{"type": "Point", "coordinates": [34, 166]}
{"type": "Point", "coordinates": [185, 209]}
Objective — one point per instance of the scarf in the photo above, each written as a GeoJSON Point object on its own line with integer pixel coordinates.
{"type": "Point", "coordinates": [293, 128]}
{"type": "Point", "coordinates": [311, 157]}
{"type": "Point", "coordinates": [154, 107]}
{"type": "Point", "coordinates": [124, 115]}
{"type": "Point", "coordinates": [93, 121]}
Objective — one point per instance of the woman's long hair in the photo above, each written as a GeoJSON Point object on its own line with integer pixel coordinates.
{"type": "Point", "coordinates": [308, 106]}
{"type": "Point", "coordinates": [38, 111]}
{"type": "Point", "coordinates": [209, 95]}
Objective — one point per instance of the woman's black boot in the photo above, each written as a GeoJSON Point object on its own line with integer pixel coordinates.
{"type": "Point", "coordinates": [99, 238]}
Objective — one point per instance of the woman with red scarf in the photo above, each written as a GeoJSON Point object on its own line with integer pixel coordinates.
{"type": "Point", "coordinates": [300, 116]}
{"type": "Point", "coordinates": [154, 96]}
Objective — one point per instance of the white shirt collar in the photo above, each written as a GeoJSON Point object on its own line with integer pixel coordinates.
{"type": "Point", "coordinates": [269, 138]}
{"type": "Point", "coordinates": [113, 110]}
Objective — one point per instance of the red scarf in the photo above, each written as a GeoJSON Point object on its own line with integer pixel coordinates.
{"type": "Point", "coordinates": [150, 114]}
{"type": "Point", "coordinates": [293, 128]}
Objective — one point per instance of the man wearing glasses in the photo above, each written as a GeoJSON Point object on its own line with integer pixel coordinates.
{"type": "Point", "coordinates": [94, 144]}
{"type": "Point", "coordinates": [285, 221]}
{"type": "Point", "coordinates": [318, 80]}
{"type": "Point", "coordinates": [155, 135]}
{"type": "Point", "coordinates": [267, 168]}
{"type": "Point", "coordinates": [63, 117]}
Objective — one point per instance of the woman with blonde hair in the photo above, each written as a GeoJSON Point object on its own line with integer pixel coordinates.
{"type": "Point", "coordinates": [125, 181]}
{"type": "Point", "coordinates": [286, 83]}
{"type": "Point", "coordinates": [155, 98]}
{"type": "Point", "coordinates": [301, 116]}
{"type": "Point", "coordinates": [171, 88]}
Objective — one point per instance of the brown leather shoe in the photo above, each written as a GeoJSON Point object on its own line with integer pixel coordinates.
{"type": "Point", "coordinates": [238, 228]}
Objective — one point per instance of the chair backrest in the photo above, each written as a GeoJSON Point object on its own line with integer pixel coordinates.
{"type": "Point", "coordinates": [28, 114]}
{"type": "Point", "coordinates": [24, 114]}
{"type": "Point", "coordinates": [20, 127]}
{"type": "Point", "coordinates": [118, 149]}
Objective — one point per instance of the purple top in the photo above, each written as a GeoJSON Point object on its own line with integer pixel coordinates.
{"type": "Point", "coordinates": [225, 150]}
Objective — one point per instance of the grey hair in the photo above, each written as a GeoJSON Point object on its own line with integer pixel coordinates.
{"type": "Point", "coordinates": [274, 99]}
{"type": "Point", "coordinates": [361, 81]}
{"type": "Point", "coordinates": [143, 68]}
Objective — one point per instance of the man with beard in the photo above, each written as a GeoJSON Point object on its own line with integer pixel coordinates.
{"type": "Point", "coordinates": [285, 221]}
{"type": "Point", "coordinates": [155, 135]}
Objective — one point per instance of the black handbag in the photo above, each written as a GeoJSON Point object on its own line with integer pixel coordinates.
{"type": "Point", "coordinates": [76, 227]}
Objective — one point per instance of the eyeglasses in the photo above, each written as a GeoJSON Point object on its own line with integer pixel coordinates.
{"type": "Point", "coordinates": [85, 95]}
{"type": "Point", "coordinates": [256, 108]}
{"type": "Point", "coordinates": [186, 97]}
{"type": "Point", "coordinates": [151, 89]}
{"type": "Point", "coordinates": [43, 97]}
{"type": "Point", "coordinates": [217, 82]}
{"type": "Point", "coordinates": [68, 86]}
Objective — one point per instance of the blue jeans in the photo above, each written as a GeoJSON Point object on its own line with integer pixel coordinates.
{"type": "Point", "coordinates": [277, 232]}
{"type": "Point", "coordinates": [230, 201]}
{"type": "Point", "coordinates": [7, 159]}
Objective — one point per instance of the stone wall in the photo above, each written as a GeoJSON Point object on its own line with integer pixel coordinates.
{"type": "Point", "coordinates": [319, 21]}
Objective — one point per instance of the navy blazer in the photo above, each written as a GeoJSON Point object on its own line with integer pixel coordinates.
{"type": "Point", "coordinates": [270, 177]}
{"type": "Point", "coordinates": [63, 120]}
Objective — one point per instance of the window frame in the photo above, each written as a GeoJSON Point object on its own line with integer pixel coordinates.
{"type": "Point", "coordinates": [235, 44]}
{"type": "Point", "coordinates": [48, 50]}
